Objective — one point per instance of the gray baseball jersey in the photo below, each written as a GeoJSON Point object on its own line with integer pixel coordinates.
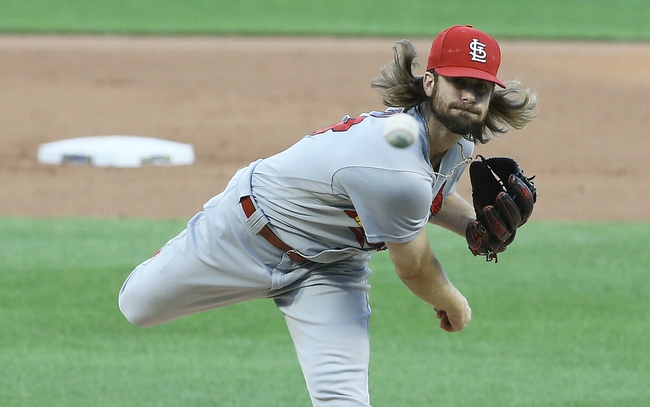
{"type": "Point", "coordinates": [345, 187]}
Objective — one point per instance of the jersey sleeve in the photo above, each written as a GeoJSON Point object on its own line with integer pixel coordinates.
{"type": "Point", "coordinates": [393, 206]}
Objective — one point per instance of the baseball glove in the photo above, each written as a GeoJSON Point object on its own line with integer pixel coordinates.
{"type": "Point", "coordinates": [503, 198]}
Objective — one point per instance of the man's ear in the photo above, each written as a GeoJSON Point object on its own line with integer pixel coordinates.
{"type": "Point", "coordinates": [428, 81]}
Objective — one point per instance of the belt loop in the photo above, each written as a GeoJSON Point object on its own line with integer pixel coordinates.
{"type": "Point", "coordinates": [258, 222]}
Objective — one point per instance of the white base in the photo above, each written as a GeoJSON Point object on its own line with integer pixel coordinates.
{"type": "Point", "coordinates": [116, 151]}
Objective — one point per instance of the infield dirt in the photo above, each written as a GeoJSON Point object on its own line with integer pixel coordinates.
{"type": "Point", "coordinates": [238, 99]}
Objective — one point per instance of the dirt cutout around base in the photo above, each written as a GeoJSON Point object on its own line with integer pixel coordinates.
{"type": "Point", "coordinates": [239, 99]}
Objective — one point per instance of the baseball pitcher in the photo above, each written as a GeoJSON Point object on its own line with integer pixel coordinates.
{"type": "Point", "coordinates": [299, 227]}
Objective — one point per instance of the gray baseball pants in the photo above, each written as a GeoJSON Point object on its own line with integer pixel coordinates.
{"type": "Point", "coordinates": [219, 260]}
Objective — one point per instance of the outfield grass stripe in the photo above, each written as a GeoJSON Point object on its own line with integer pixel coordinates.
{"type": "Point", "coordinates": [553, 19]}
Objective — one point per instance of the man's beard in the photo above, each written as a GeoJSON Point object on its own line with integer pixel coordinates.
{"type": "Point", "coordinates": [458, 118]}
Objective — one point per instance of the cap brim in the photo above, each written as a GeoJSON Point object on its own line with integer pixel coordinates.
{"type": "Point", "coordinates": [461, 72]}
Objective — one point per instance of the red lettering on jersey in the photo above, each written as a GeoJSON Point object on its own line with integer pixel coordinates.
{"type": "Point", "coordinates": [354, 215]}
{"type": "Point", "coordinates": [436, 205]}
{"type": "Point", "coordinates": [342, 126]}
{"type": "Point", "coordinates": [360, 233]}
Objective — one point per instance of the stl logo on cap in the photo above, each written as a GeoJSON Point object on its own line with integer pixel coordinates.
{"type": "Point", "coordinates": [477, 51]}
{"type": "Point", "coordinates": [464, 51]}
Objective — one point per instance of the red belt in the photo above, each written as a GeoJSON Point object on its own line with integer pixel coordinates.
{"type": "Point", "coordinates": [266, 232]}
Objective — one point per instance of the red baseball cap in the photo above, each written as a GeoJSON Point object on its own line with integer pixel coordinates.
{"type": "Point", "coordinates": [464, 51]}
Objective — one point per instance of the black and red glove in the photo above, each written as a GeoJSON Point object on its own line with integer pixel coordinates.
{"type": "Point", "coordinates": [503, 199]}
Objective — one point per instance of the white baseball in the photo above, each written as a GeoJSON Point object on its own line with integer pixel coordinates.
{"type": "Point", "coordinates": [401, 130]}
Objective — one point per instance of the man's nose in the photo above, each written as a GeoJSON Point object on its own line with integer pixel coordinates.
{"type": "Point", "coordinates": [468, 96]}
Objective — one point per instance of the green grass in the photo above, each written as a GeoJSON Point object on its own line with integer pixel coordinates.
{"type": "Point", "coordinates": [560, 321]}
{"type": "Point", "coordinates": [551, 19]}
{"type": "Point", "coordinates": [65, 343]}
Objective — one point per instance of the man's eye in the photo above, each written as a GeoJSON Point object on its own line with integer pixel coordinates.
{"type": "Point", "coordinates": [481, 88]}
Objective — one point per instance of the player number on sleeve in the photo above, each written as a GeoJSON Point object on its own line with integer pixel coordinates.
{"type": "Point", "coordinates": [343, 125]}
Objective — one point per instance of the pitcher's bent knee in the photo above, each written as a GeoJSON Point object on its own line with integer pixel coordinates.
{"type": "Point", "coordinates": [137, 309]}
{"type": "Point", "coordinates": [133, 313]}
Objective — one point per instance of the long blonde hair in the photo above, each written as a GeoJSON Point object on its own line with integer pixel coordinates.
{"type": "Point", "coordinates": [510, 108]}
